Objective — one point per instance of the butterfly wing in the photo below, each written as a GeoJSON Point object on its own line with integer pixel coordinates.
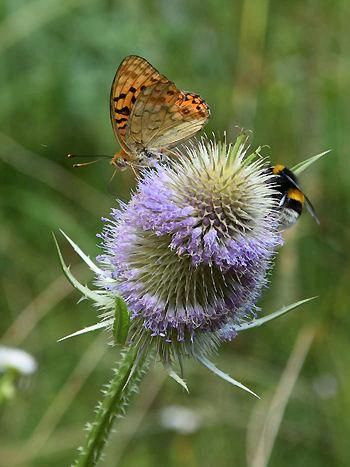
{"type": "Point", "coordinates": [186, 118]}
{"type": "Point", "coordinates": [133, 76]}
{"type": "Point", "coordinates": [163, 116]}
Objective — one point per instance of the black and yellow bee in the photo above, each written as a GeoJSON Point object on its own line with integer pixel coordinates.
{"type": "Point", "coordinates": [291, 199]}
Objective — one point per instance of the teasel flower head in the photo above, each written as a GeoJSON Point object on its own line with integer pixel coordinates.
{"type": "Point", "coordinates": [190, 252]}
{"type": "Point", "coordinates": [184, 263]}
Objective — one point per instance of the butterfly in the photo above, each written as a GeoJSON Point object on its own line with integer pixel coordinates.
{"type": "Point", "coordinates": [149, 114]}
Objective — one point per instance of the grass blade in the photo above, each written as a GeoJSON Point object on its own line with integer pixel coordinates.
{"type": "Point", "coordinates": [299, 168]}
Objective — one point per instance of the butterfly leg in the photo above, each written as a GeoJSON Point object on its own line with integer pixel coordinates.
{"type": "Point", "coordinates": [149, 158]}
{"type": "Point", "coordinates": [120, 160]}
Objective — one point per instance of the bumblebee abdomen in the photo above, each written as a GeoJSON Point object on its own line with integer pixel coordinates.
{"type": "Point", "coordinates": [290, 198]}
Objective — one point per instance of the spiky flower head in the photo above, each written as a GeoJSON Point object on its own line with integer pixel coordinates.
{"type": "Point", "coordinates": [190, 252]}
{"type": "Point", "coordinates": [188, 255]}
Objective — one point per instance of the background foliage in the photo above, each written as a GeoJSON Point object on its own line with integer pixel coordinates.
{"type": "Point", "coordinates": [282, 70]}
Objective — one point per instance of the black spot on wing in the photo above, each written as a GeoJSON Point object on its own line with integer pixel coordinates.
{"type": "Point", "coordinates": [124, 111]}
{"type": "Point", "coordinates": [121, 96]}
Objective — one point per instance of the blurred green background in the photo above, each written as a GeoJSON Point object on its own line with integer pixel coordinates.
{"type": "Point", "coordinates": [281, 69]}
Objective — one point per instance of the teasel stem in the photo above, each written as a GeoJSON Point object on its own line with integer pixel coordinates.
{"type": "Point", "coordinates": [124, 383]}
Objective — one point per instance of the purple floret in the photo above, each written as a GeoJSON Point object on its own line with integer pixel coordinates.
{"type": "Point", "coordinates": [178, 266]}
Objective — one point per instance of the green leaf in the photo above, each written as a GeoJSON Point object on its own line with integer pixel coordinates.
{"type": "Point", "coordinates": [121, 321]}
{"type": "Point", "coordinates": [87, 293]}
{"type": "Point", "coordinates": [172, 373]}
{"type": "Point", "coordinates": [265, 319]}
{"type": "Point", "coordinates": [82, 255]}
{"type": "Point", "coordinates": [208, 364]}
{"type": "Point", "coordinates": [299, 168]}
{"type": "Point", "coordinates": [94, 327]}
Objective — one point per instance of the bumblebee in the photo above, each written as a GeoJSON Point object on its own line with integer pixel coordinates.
{"type": "Point", "coordinates": [291, 199]}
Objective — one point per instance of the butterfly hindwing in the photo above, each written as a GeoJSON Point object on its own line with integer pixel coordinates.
{"type": "Point", "coordinates": [151, 112]}
{"type": "Point", "coordinates": [189, 116]}
{"type": "Point", "coordinates": [163, 116]}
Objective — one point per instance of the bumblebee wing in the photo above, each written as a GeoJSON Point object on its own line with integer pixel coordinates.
{"type": "Point", "coordinates": [308, 203]}
{"type": "Point", "coordinates": [311, 209]}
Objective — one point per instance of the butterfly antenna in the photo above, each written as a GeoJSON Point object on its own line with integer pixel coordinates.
{"type": "Point", "coordinates": [84, 164]}
{"type": "Point", "coordinates": [102, 156]}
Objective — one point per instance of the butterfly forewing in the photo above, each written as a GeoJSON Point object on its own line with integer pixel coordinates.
{"type": "Point", "coordinates": [133, 76]}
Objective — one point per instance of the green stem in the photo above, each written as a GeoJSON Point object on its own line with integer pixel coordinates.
{"type": "Point", "coordinates": [116, 398]}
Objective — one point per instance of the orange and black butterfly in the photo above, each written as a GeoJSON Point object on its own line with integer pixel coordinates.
{"type": "Point", "coordinates": [149, 114]}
